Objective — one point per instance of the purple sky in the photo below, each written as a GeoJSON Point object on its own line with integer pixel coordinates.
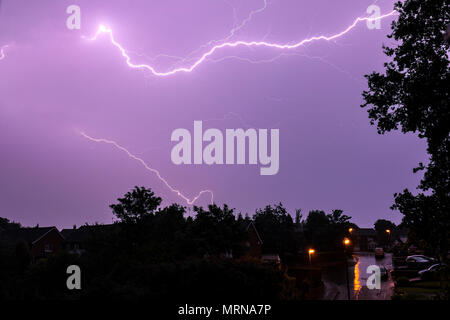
{"type": "Point", "coordinates": [54, 84]}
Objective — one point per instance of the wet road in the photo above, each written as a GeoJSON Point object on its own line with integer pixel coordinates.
{"type": "Point", "coordinates": [335, 279]}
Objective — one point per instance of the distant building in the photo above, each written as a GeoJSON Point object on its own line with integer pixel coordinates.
{"type": "Point", "coordinates": [253, 244]}
{"type": "Point", "coordinates": [42, 242]}
{"type": "Point", "coordinates": [365, 239]}
{"type": "Point", "coordinates": [271, 258]}
{"type": "Point", "coordinates": [75, 240]}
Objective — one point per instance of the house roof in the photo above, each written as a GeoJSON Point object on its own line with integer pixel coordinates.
{"type": "Point", "coordinates": [30, 235]}
{"type": "Point", "coordinates": [251, 224]}
{"type": "Point", "coordinates": [82, 233]}
{"type": "Point", "coordinates": [67, 232]}
{"type": "Point", "coordinates": [270, 257]}
{"type": "Point", "coordinates": [366, 232]}
{"type": "Point", "coordinates": [76, 235]}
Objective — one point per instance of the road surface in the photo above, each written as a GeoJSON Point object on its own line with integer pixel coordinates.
{"type": "Point", "coordinates": [335, 279]}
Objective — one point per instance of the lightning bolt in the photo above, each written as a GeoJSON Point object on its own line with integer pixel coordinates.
{"type": "Point", "coordinates": [181, 60]}
{"type": "Point", "coordinates": [104, 30]}
{"type": "Point", "coordinates": [284, 54]}
{"type": "Point", "coordinates": [245, 21]}
{"type": "Point", "coordinates": [147, 167]}
{"type": "Point", "coordinates": [2, 51]}
{"type": "Point", "coordinates": [233, 31]}
{"type": "Point", "coordinates": [205, 57]}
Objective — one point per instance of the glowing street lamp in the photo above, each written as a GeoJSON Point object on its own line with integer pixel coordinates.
{"type": "Point", "coordinates": [346, 243]}
{"type": "Point", "coordinates": [350, 230]}
{"type": "Point", "coordinates": [389, 236]}
{"type": "Point", "coordinates": [310, 253]}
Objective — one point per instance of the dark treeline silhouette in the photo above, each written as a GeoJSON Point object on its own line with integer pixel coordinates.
{"type": "Point", "coordinates": [412, 95]}
{"type": "Point", "coordinates": [155, 252]}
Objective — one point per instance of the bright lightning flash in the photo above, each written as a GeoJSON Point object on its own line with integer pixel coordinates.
{"type": "Point", "coordinates": [2, 52]}
{"type": "Point", "coordinates": [147, 167]}
{"type": "Point", "coordinates": [104, 30]}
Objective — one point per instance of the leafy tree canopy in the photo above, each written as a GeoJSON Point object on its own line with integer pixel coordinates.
{"type": "Point", "coordinates": [136, 204]}
{"type": "Point", "coordinates": [412, 95]}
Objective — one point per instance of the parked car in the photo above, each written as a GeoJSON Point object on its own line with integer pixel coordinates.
{"type": "Point", "coordinates": [379, 253]}
{"type": "Point", "coordinates": [432, 272]}
{"type": "Point", "coordinates": [424, 257]}
{"type": "Point", "coordinates": [418, 262]}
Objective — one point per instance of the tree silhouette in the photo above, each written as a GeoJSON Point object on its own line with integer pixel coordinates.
{"type": "Point", "coordinates": [325, 232]}
{"type": "Point", "coordinates": [136, 205]}
{"type": "Point", "coordinates": [276, 228]}
{"type": "Point", "coordinates": [413, 96]}
{"type": "Point", "coordinates": [381, 225]}
{"type": "Point", "coordinates": [216, 231]}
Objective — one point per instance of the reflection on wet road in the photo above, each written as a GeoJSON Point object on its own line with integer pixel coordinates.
{"type": "Point", "coordinates": [334, 279]}
{"type": "Point", "coordinates": [357, 278]}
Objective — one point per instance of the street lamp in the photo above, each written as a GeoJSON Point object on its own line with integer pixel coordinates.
{"type": "Point", "coordinates": [346, 243]}
{"type": "Point", "coordinates": [350, 230]}
{"type": "Point", "coordinates": [388, 231]}
{"type": "Point", "coordinates": [310, 253]}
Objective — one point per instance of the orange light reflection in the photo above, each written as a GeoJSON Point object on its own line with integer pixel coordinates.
{"type": "Point", "coordinates": [357, 281]}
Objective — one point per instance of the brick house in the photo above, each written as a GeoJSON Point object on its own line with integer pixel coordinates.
{"type": "Point", "coordinates": [42, 242]}
{"type": "Point", "coordinates": [253, 242]}
{"type": "Point", "coordinates": [365, 239]}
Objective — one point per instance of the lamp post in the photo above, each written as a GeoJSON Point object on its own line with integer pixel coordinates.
{"type": "Point", "coordinates": [388, 231]}
{"type": "Point", "coordinates": [310, 253]}
{"type": "Point", "coordinates": [346, 242]}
